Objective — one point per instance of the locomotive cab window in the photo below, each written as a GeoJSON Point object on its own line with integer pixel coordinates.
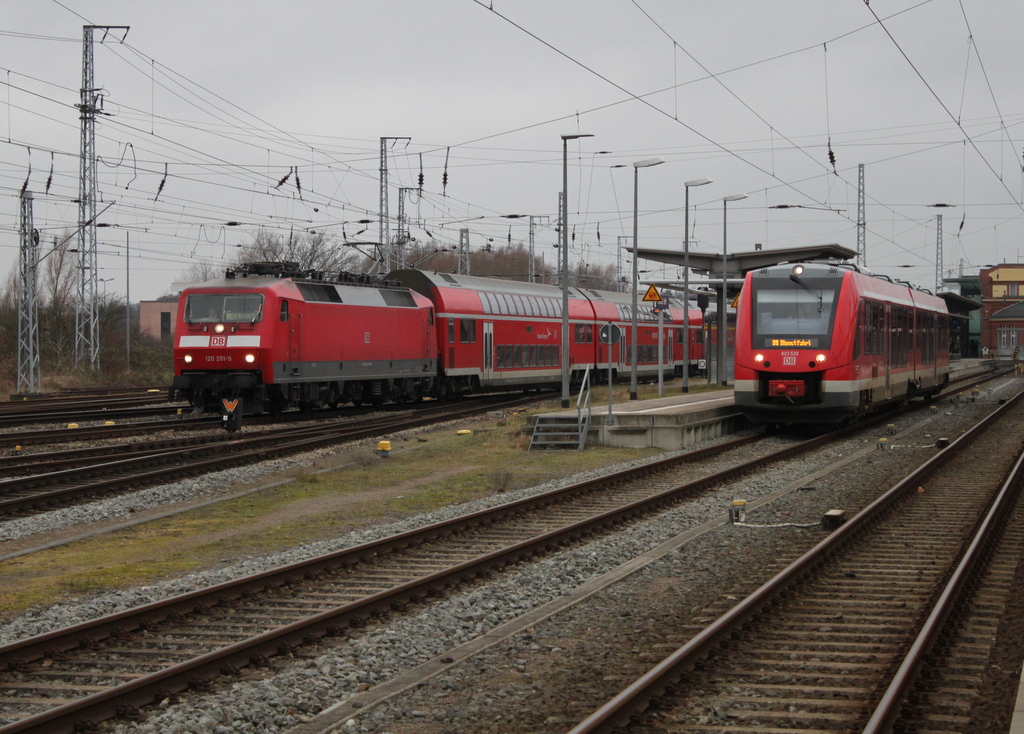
{"type": "Point", "coordinates": [793, 312]}
{"type": "Point", "coordinates": [213, 308]}
{"type": "Point", "coordinates": [284, 310]}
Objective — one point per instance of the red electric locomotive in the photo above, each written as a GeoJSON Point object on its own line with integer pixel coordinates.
{"type": "Point", "coordinates": [274, 337]}
{"type": "Point", "coordinates": [824, 342]}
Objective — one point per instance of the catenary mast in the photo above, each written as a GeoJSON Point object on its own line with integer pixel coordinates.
{"type": "Point", "coordinates": [87, 344]}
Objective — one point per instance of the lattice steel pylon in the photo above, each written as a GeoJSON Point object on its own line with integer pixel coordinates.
{"type": "Point", "coordinates": [533, 271]}
{"type": "Point", "coordinates": [464, 251]}
{"type": "Point", "coordinates": [87, 343]}
{"type": "Point", "coordinates": [402, 238]}
{"type": "Point", "coordinates": [384, 248]}
{"type": "Point", "coordinates": [862, 220]}
{"type": "Point", "coordinates": [28, 307]}
{"type": "Point", "coordinates": [938, 252]}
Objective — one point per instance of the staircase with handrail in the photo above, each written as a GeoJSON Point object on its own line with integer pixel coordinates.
{"type": "Point", "coordinates": [564, 431]}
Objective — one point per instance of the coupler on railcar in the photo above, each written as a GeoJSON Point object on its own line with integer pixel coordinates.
{"type": "Point", "coordinates": [229, 394]}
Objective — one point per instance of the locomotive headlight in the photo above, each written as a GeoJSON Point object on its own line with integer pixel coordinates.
{"type": "Point", "coordinates": [798, 270]}
{"type": "Point", "coordinates": [820, 358]}
{"type": "Point", "coordinates": [219, 328]}
{"type": "Point", "coordinates": [250, 358]}
{"type": "Point", "coordinates": [759, 358]}
{"type": "Point", "coordinates": [188, 359]}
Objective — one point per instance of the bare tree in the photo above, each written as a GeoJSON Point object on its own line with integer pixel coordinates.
{"type": "Point", "coordinates": [312, 251]}
{"type": "Point", "coordinates": [589, 275]}
{"type": "Point", "coordinates": [58, 295]}
{"type": "Point", "coordinates": [511, 262]}
{"type": "Point", "coordinates": [201, 272]}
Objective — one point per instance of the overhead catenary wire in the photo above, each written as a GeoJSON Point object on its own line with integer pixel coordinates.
{"type": "Point", "coordinates": [642, 98]}
{"type": "Point", "coordinates": [942, 104]}
{"type": "Point", "coordinates": [243, 135]}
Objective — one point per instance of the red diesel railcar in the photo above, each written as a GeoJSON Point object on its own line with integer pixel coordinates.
{"type": "Point", "coordinates": [824, 342]}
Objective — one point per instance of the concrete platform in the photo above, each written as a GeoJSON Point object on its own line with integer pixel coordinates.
{"type": "Point", "coordinates": [677, 421]}
{"type": "Point", "coordinates": [670, 422]}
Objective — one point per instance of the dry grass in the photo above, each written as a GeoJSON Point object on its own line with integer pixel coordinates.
{"type": "Point", "coordinates": [417, 477]}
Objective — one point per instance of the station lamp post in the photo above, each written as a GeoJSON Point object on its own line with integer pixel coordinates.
{"type": "Point", "coordinates": [636, 278]}
{"type": "Point", "coordinates": [723, 305]}
{"type": "Point", "coordinates": [686, 282]}
{"type": "Point", "coordinates": [565, 264]}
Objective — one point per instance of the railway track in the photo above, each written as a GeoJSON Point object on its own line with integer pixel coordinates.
{"type": "Point", "coordinates": [101, 432]}
{"type": "Point", "coordinates": [99, 426]}
{"type": "Point", "coordinates": [883, 626]}
{"type": "Point", "coordinates": [88, 413]}
{"type": "Point", "coordinates": [84, 474]}
{"type": "Point", "coordinates": [189, 640]}
{"type": "Point", "coordinates": [77, 393]}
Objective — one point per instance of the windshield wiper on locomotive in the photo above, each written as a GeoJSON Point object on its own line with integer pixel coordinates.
{"type": "Point", "coordinates": [796, 279]}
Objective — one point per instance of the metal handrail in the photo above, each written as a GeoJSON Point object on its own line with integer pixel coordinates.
{"type": "Point", "coordinates": [584, 386]}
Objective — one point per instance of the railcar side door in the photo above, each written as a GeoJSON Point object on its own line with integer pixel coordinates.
{"type": "Point", "coordinates": [290, 316]}
{"type": "Point", "coordinates": [488, 343]}
{"type": "Point", "coordinates": [668, 355]}
{"type": "Point", "coordinates": [887, 347]}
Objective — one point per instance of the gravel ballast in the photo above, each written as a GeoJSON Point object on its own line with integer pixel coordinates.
{"type": "Point", "coordinates": [461, 698]}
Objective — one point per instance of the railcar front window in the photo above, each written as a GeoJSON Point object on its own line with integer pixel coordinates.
{"type": "Point", "coordinates": [788, 313]}
{"type": "Point", "coordinates": [216, 308]}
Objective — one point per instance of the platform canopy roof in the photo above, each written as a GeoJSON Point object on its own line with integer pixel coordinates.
{"type": "Point", "coordinates": [958, 304]}
{"type": "Point", "coordinates": [741, 263]}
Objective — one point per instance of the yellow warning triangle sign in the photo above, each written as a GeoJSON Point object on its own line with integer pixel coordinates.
{"type": "Point", "coordinates": [652, 294]}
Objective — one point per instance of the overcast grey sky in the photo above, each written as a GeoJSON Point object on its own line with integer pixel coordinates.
{"type": "Point", "coordinates": [229, 97]}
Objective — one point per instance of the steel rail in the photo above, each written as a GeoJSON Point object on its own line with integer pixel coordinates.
{"type": "Point", "coordinates": [35, 463]}
{"type": "Point", "coordinates": [661, 679]}
{"type": "Point", "coordinates": [99, 432]}
{"type": "Point", "coordinates": [888, 710]}
{"type": "Point", "coordinates": [21, 463]}
{"type": "Point", "coordinates": [52, 405]}
{"type": "Point", "coordinates": [75, 393]}
{"type": "Point", "coordinates": [82, 416]}
{"type": "Point", "coordinates": [104, 431]}
{"type": "Point", "coordinates": [141, 691]}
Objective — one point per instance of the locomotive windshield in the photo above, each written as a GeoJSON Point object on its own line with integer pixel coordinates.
{"type": "Point", "coordinates": [793, 312]}
{"type": "Point", "coordinates": [216, 308]}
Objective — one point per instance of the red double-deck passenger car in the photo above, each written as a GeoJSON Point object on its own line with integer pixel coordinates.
{"type": "Point", "coordinates": [496, 333]}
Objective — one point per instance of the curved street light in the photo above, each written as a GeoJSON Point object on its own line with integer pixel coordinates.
{"type": "Point", "coordinates": [565, 264]}
{"type": "Point", "coordinates": [686, 282]}
{"type": "Point", "coordinates": [646, 163]}
{"type": "Point", "coordinates": [723, 327]}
